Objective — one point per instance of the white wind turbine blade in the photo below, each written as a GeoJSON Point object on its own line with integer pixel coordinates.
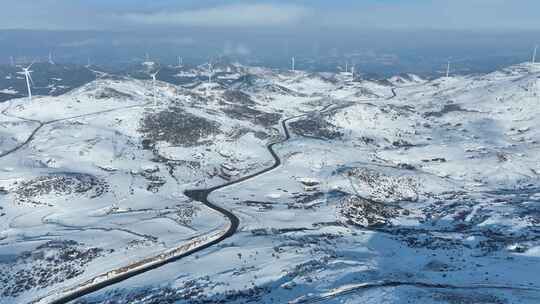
{"type": "Point", "coordinates": [154, 75]}
{"type": "Point", "coordinates": [30, 77]}
{"type": "Point", "coordinates": [31, 64]}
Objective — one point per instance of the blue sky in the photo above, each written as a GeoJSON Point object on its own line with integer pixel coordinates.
{"type": "Point", "coordinates": [293, 14]}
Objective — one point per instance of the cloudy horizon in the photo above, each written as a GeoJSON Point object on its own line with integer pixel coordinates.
{"type": "Point", "coordinates": [293, 14]}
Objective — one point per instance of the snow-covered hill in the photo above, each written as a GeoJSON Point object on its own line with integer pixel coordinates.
{"type": "Point", "coordinates": [398, 191]}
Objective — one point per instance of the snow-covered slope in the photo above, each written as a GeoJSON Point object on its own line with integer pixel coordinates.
{"type": "Point", "coordinates": [397, 191]}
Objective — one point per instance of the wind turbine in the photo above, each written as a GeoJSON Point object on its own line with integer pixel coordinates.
{"type": "Point", "coordinates": [51, 58]}
{"type": "Point", "coordinates": [352, 72]}
{"type": "Point", "coordinates": [26, 72]}
{"type": "Point", "coordinates": [346, 66]}
{"type": "Point", "coordinates": [154, 86]}
{"type": "Point", "coordinates": [180, 61]}
{"type": "Point", "coordinates": [448, 69]}
{"type": "Point", "coordinates": [99, 75]}
{"type": "Point", "coordinates": [293, 64]}
{"type": "Point", "coordinates": [534, 54]}
{"type": "Point", "coordinates": [210, 72]}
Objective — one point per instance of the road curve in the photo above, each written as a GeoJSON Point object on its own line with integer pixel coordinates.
{"type": "Point", "coordinates": [200, 195]}
{"type": "Point", "coordinates": [24, 143]}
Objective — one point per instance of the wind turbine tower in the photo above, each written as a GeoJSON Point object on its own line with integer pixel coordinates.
{"type": "Point", "coordinates": [26, 72]}
{"type": "Point", "coordinates": [51, 61]}
{"type": "Point", "coordinates": [352, 72]}
{"type": "Point", "coordinates": [180, 61]}
{"type": "Point", "coordinates": [209, 72]}
{"type": "Point", "coordinates": [534, 54]}
{"type": "Point", "coordinates": [154, 86]}
{"type": "Point", "coordinates": [448, 69]}
{"type": "Point", "coordinates": [293, 64]}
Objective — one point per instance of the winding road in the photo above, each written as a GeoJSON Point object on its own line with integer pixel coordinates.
{"type": "Point", "coordinates": [200, 195]}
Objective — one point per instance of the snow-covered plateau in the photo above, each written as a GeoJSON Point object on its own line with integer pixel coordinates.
{"type": "Point", "coordinates": [318, 188]}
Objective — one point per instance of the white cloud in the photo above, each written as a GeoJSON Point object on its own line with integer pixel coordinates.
{"type": "Point", "coordinates": [247, 15]}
